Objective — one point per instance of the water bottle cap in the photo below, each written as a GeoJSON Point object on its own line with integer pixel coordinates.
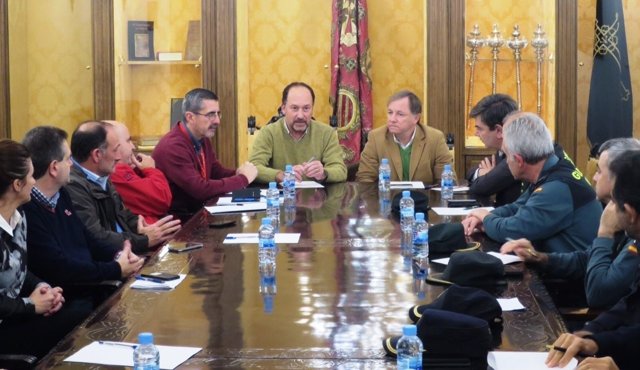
{"type": "Point", "coordinates": [409, 330]}
{"type": "Point", "coordinates": [266, 221]}
{"type": "Point", "coordinates": [384, 161]}
{"type": "Point", "coordinates": [288, 168]}
{"type": "Point", "coordinates": [273, 185]}
{"type": "Point", "coordinates": [419, 216]}
{"type": "Point", "coordinates": [447, 167]}
{"type": "Point", "coordinates": [406, 194]}
{"type": "Point", "coordinates": [145, 338]}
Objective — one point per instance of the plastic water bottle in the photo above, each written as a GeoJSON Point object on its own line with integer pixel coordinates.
{"type": "Point", "coordinates": [421, 245]}
{"type": "Point", "coordinates": [409, 349]}
{"type": "Point", "coordinates": [266, 246]}
{"type": "Point", "coordinates": [268, 290]}
{"type": "Point", "coordinates": [273, 204]}
{"type": "Point", "coordinates": [146, 356]}
{"type": "Point", "coordinates": [407, 210]}
{"type": "Point", "coordinates": [289, 183]}
{"type": "Point", "coordinates": [384, 176]}
{"type": "Point", "coordinates": [447, 182]}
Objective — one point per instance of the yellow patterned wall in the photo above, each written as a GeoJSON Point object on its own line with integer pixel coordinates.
{"type": "Point", "coordinates": [288, 40]}
{"type": "Point", "coordinates": [507, 13]}
{"type": "Point", "coordinates": [144, 92]}
{"type": "Point", "coordinates": [586, 20]}
{"type": "Point", "coordinates": [49, 51]}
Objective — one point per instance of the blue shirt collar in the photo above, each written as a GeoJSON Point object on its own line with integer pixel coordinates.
{"type": "Point", "coordinates": [100, 181]}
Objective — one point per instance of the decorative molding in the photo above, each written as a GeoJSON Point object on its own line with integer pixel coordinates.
{"type": "Point", "coordinates": [445, 71]}
{"type": "Point", "coordinates": [103, 60]}
{"type": "Point", "coordinates": [219, 71]}
{"type": "Point", "coordinates": [5, 115]}
{"type": "Point", "coordinates": [567, 75]}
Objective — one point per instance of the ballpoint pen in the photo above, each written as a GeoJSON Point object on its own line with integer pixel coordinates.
{"type": "Point", "coordinates": [564, 350]}
{"type": "Point", "coordinates": [242, 237]}
{"type": "Point", "coordinates": [110, 343]}
{"type": "Point", "coordinates": [145, 278]}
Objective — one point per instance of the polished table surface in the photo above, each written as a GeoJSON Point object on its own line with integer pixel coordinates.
{"type": "Point", "coordinates": [342, 289]}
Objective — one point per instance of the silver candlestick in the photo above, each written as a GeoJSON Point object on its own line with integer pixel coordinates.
{"type": "Point", "coordinates": [474, 42]}
{"type": "Point", "coordinates": [539, 43]}
{"type": "Point", "coordinates": [495, 41]}
{"type": "Point", "coordinates": [517, 44]}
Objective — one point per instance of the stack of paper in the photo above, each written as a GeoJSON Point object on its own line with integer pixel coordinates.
{"type": "Point", "coordinates": [500, 360]}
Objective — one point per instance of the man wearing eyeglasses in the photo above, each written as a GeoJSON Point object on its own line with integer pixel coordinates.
{"type": "Point", "coordinates": [416, 152]}
{"type": "Point", "coordinates": [297, 139]}
{"type": "Point", "coordinates": [186, 156]}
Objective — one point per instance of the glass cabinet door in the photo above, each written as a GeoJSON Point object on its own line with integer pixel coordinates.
{"type": "Point", "coordinates": [158, 54]}
{"type": "Point", "coordinates": [50, 64]}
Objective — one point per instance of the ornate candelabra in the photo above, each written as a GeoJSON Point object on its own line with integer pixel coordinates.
{"type": "Point", "coordinates": [474, 42]}
{"type": "Point", "coordinates": [495, 41]}
{"type": "Point", "coordinates": [539, 43]}
{"type": "Point", "coordinates": [517, 44]}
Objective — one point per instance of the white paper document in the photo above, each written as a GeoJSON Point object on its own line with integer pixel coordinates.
{"type": "Point", "coordinates": [152, 285]}
{"type": "Point", "coordinates": [407, 185]}
{"type": "Point", "coordinates": [121, 354]}
{"type": "Point", "coordinates": [456, 211]}
{"type": "Point", "coordinates": [456, 189]}
{"type": "Point", "coordinates": [252, 238]}
{"type": "Point", "coordinates": [308, 185]}
{"type": "Point", "coordinates": [506, 258]}
{"type": "Point", "coordinates": [510, 304]}
{"type": "Point", "coordinates": [510, 360]}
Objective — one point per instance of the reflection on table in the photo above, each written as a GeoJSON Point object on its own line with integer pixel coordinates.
{"type": "Point", "coordinates": [333, 298]}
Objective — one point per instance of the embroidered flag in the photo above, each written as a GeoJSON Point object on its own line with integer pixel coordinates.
{"type": "Point", "coordinates": [610, 112]}
{"type": "Point", "coordinates": [350, 93]}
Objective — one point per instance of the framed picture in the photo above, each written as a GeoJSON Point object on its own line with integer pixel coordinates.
{"type": "Point", "coordinates": [141, 40]}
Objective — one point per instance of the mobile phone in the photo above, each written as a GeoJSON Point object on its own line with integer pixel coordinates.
{"type": "Point", "coordinates": [462, 203]}
{"type": "Point", "coordinates": [164, 276]}
{"type": "Point", "coordinates": [178, 247]}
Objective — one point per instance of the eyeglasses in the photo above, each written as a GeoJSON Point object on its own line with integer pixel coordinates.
{"type": "Point", "coordinates": [210, 115]}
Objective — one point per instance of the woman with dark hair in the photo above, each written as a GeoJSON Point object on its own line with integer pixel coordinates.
{"type": "Point", "coordinates": [31, 320]}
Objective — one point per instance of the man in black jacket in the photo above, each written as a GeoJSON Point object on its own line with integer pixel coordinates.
{"type": "Point", "coordinates": [95, 149]}
{"type": "Point", "coordinates": [492, 176]}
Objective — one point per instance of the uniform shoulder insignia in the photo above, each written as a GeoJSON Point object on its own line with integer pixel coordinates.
{"type": "Point", "coordinates": [538, 189]}
{"type": "Point", "coordinates": [633, 249]}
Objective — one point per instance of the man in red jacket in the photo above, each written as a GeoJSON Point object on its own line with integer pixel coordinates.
{"type": "Point", "coordinates": [144, 188]}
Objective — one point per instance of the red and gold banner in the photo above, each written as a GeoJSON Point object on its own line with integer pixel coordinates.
{"type": "Point", "coordinates": [350, 93]}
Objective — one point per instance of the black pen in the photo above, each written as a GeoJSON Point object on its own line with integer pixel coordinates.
{"type": "Point", "coordinates": [564, 350]}
{"type": "Point", "coordinates": [159, 281]}
{"type": "Point", "coordinates": [468, 208]}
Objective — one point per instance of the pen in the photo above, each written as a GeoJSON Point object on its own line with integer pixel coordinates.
{"type": "Point", "coordinates": [230, 204]}
{"type": "Point", "coordinates": [139, 277]}
{"type": "Point", "coordinates": [241, 237]}
{"type": "Point", "coordinates": [312, 158]}
{"type": "Point", "coordinates": [564, 350]}
{"type": "Point", "coordinates": [468, 208]}
{"type": "Point", "coordinates": [109, 343]}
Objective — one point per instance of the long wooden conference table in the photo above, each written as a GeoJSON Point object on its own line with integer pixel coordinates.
{"type": "Point", "coordinates": [342, 289]}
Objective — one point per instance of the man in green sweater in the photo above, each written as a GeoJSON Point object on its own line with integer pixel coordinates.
{"type": "Point", "coordinates": [310, 146]}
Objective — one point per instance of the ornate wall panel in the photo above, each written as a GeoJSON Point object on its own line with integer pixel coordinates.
{"type": "Point", "coordinates": [51, 81]}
